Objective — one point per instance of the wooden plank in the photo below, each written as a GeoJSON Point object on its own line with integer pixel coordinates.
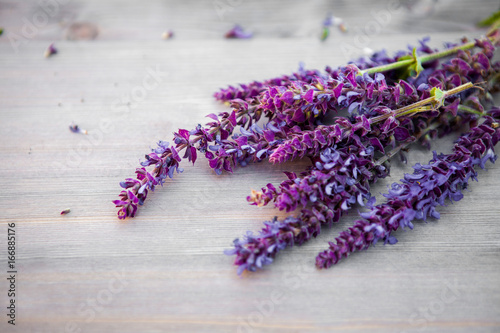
{"type": "Point", "coordinates": [164, 270]}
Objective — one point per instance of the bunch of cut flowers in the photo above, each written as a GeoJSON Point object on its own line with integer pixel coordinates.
{"type": "Point", "coordinates": [349, 121]}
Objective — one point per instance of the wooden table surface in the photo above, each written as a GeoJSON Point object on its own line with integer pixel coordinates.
{"type": "Point", "coordinates": [164, 271]}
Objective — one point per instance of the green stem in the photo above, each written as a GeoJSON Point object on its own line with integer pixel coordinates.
{"type": "Point", "coordinates": [415, 106]}
{"type": "Point", "coordinates": [433, 126]}
{"type": "Point", "coordinates": [416, 110]}
{"type": "Point", "coordinates": [470, 110]}
{"type": "Point", "coordinates": [423, 59]}
{"type": "Point", "coordinates": [388, 67]}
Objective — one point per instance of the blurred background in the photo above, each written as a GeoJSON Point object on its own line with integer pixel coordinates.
{"type": "Point", "coordinates": [147, 20]}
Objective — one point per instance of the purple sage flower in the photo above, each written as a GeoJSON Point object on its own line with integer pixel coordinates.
{"type": "Point", "coordinates": [76, 129]}
{"type": "Point", "coordinates": [338, 181]}
{"type": "Point", "coordinates": [238, 32]}
{"type": "Point", "coordinates": [51, 50]}
{"type": "Point", "coordinates": [418, 194]}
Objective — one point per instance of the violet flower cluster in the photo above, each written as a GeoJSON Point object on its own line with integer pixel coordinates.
{"type": "Point", "coordinates": [309, 191]}
{"type": "Point", "coordinates": [363, 94]}
{"type": "Point", "coordinates": [339, 178]}
{"type": "Point", "coordinates": [283, 118]}
{"type": "Point", "coordinates": [254, 251]}
{"type": "Point", "coordinates": [238, 32]}
{"type": "Point", "coordinates": [418, 194]}
{"type": "Point", "coordinates": [390, 103]}
{"type": "Point", "coordinates": [338, 181]}
{"type": "Point", "coordinates": [337, 189]}
{"type": "Point", "coordinates": [166, 161]}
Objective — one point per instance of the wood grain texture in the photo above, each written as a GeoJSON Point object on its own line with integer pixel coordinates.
{"type": "Point", "coordinates": [164, 270]}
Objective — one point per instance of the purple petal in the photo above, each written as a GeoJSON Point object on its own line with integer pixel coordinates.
{"type": "Point", "coordinates": [401, 133]}
{"type": "Point", "coordinates": [309, 95]}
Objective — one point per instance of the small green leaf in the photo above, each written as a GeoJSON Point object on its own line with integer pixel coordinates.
{"type": "Point", "coordinates": [412, 69]}
{"type": "Point", "coordinates": [418, 64]}
{"type": "Point", "coordinates": [490, 20]}
{"type": "Point", "coordinates": [325, 33]}
{"type": "Point", "coordinates": [438, 95]}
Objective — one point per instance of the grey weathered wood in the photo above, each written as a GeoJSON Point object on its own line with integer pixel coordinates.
{"type": "Point", "coordinates": [164, 269]}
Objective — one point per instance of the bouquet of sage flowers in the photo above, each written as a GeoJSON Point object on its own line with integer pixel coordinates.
{"type": "Point", "coordinates": [387, 104]}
